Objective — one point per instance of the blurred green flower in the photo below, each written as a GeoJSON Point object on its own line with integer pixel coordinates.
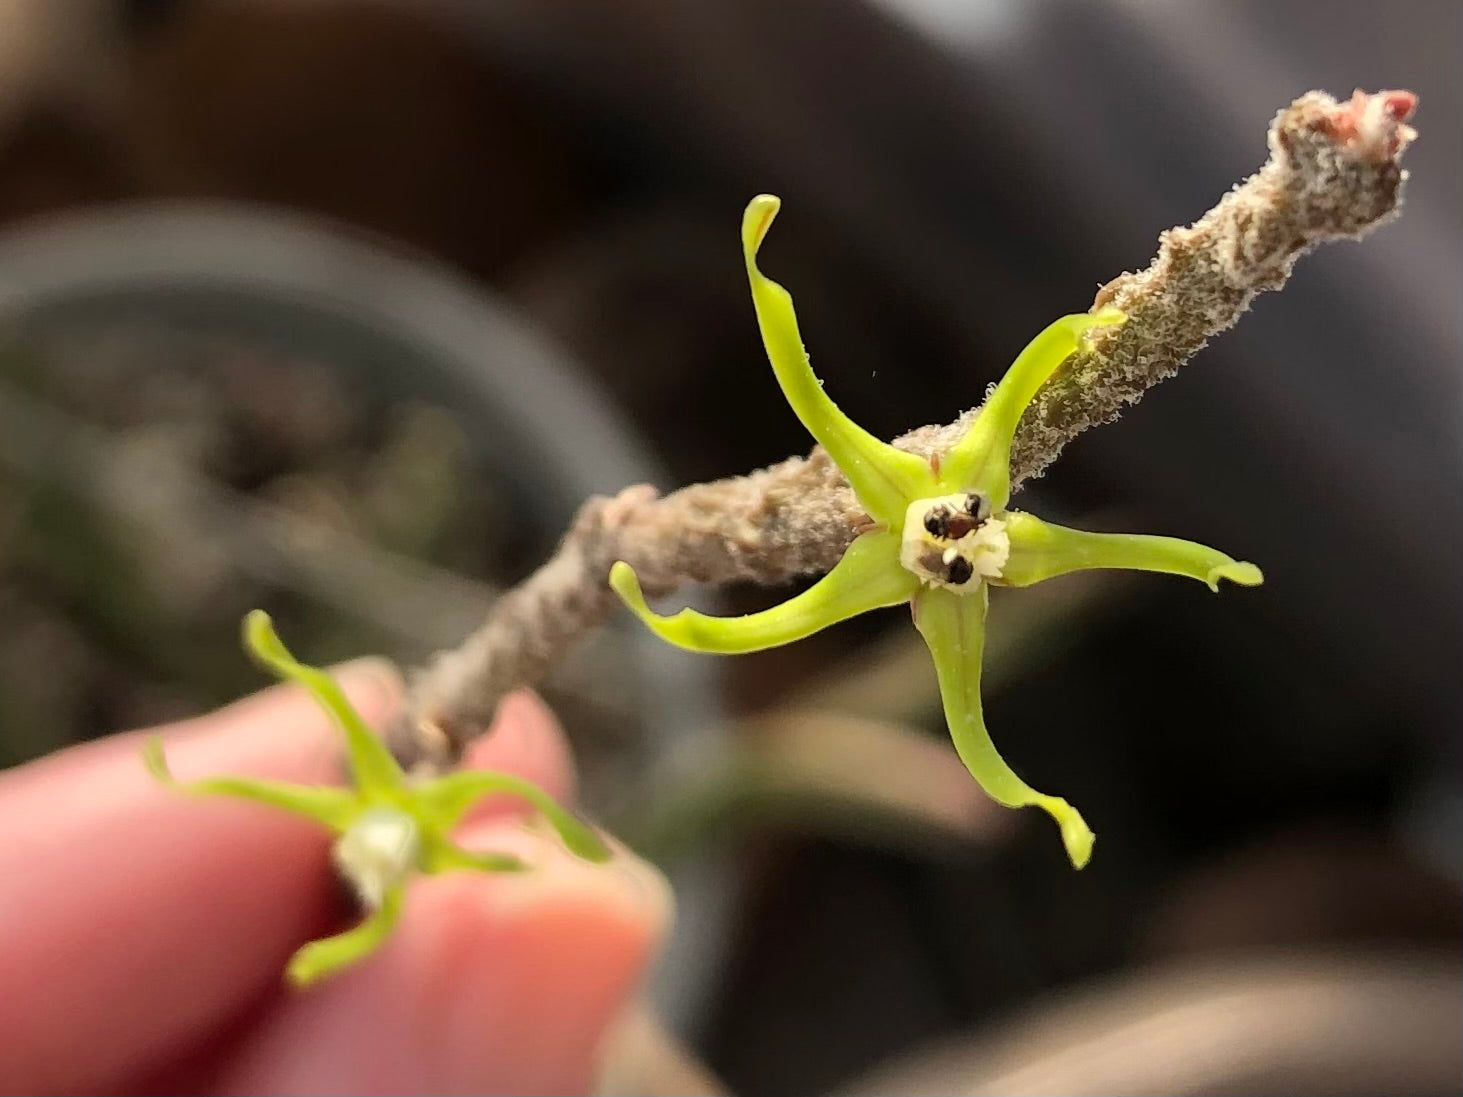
{"type": "Point", "coordinates": [389, 826]}
{"type": "Point", "coordinates": [941, 535]}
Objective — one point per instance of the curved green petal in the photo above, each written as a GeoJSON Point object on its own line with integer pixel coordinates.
{"type": "Point", "coordinates": [444, 856]}
{"type": "Point", "coordinates": [953, 626]}
{"type": "Point", "coordinates": [335, 807]}
{"type": "Point", "coordinates": [868, 577]}
{"type": "Point", "coordinates": [980, 462]}
{"type": "Point", "coordinates": [443, 801]}
{"type": "Point", "coordinates": [1040, 550]}
{"type": "Point", "coordinates": [374, 768]}
{"type": "Point", "coordinates": [325, 957]}
{"type": "Point", "coordinates": [885, 479]}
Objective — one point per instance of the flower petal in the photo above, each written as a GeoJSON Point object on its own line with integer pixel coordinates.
{"type": "Point", "coordinates": [374, 768]}
{"type": "Point", "coordinates": [868, 577]}
{"type": "Point", "coordinates": [885, 479]}
{"type": "Point", "coordinates": [444, 856]}
{"type": "Point", "coordinates": [1040, 550]}
{"type": "Point", "coordinates": [953, 626]}
{"type": "Point", "coordinates": [325, 957]}
{"type": "Point", "coordinates": [444, 801]}
{"type": "Point", "coordinates": [335, 807]}
{"type": "Point", "coordinates": [980, 462]}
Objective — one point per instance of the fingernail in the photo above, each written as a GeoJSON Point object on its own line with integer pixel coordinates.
{"type": "Point", "coordinates": [642, 881]}
{"type": "Point", "coordinates": [524, 713]}
{"type": "Point", "coordinates": [626, 881]}
{"type": "Point", "coordinates": [372, 681]}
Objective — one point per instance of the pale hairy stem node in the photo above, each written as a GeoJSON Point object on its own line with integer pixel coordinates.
{"type": "Point", "coordinates": [1332, 174]}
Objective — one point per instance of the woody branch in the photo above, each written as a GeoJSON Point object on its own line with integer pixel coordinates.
{"type": "Point", "coordinates": [1332, 174]}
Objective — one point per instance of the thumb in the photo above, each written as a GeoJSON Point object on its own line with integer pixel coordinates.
{"type": "Point", "coordinates": [492, 982]}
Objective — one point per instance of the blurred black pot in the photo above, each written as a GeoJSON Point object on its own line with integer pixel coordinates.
{"type": "Point", "coordinates": [405, 330]}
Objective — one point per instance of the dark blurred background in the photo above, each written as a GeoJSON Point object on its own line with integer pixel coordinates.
{"type": "Point", "coordinates": [338, 308]}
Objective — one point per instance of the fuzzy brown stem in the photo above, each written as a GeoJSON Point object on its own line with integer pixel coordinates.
{"type": "Point", "coordinates": [1332, 174]}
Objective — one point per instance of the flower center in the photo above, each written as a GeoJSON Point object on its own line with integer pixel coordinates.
{"type": "Point", "coordinates": [952, 541]}
{"type": "Point", "coordinates": [377, 852]}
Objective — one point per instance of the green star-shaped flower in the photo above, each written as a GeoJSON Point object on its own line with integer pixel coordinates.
{"type": "Point", "coordinates": [941, 535]}
{"type": "Point", "coordinates": [389, 827]}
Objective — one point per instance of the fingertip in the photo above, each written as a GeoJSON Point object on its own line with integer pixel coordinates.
{"type": "Point", "coordinates": [493, 982]}
{"type": "Point", "coordinates": [545, 958]}
{"type": "Point", "coordinates": [184, 908]}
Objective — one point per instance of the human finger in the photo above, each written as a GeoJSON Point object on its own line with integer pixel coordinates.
{"type": "Point", "coordinates": [492, 983]}
{"type": "Point", "coordinates": [133, 918]}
